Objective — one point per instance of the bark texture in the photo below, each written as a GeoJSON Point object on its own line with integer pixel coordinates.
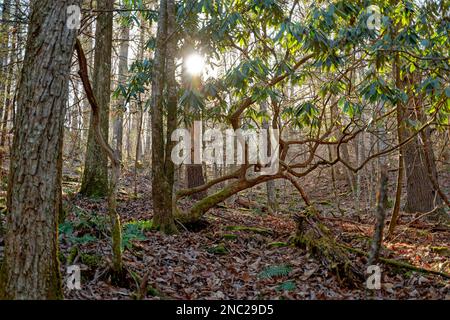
{"type": "Point", "coordinates": [30, 268]}
{"type": "Point", "coordinates": [161, 185]}
{"type": "Point", "coordinates": [120, 108]}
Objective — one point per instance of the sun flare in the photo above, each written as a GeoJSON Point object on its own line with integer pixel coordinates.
{"type": "Point", "coordinates": [194, 64]}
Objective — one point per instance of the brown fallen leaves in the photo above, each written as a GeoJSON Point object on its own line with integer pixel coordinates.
{"type": "Point", "coordinates": [218, 263]}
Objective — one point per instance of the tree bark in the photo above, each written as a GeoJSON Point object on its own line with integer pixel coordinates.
{"type": "Point", "coordinates": [9, 78]}
{"type": "Point", "coordinates": [161, 187]}
{"type": "Point", "coordinates": [30, 268]}
{"type": "Point", "coordinates": [380, 216]}
{"type": "Point", "coordinates": [87, 41]}
{"type": "Point", "coordinates": [272, 203]}
{"type": "Point", "coordinates": [421, 196]}
{"type": "Point", "coordinates": [120, 108]}
{"type": "Point", "coordinates": [4, 54]}
{"type": "Point", "coordinates": [95, 175]}
{"type": "Point", "coordinates": [401, 161]}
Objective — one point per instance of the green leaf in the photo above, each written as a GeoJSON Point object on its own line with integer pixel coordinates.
{"type": "Point", "coordinates": [447, 92]}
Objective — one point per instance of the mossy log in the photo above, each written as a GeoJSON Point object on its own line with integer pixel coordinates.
{"type": "Point", "coordinates": [196, 212]}
{"type": "Point", "coordinates": [315, 237]}
{"type": "Point", "coordinates": [399, 264]}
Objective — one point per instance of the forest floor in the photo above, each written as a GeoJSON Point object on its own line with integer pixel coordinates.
{"type": "Point", "coordinates": [244, 253]}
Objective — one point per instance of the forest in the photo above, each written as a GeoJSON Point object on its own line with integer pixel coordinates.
{"type": "Point", "coordinates": [224, 150]}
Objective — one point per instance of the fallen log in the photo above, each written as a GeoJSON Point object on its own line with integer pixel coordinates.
{"type": "Point", "coordinates": [315, 237]}
{"type": "Point", "coordinates": [398, 264]}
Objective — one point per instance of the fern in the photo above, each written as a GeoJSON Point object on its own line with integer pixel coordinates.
{"type": "Point", "coordinates": [275, 271]}
{"type": "Point", "coordinates": [131, 232]}
{"type": "Point", "coordinates": [287, 286]}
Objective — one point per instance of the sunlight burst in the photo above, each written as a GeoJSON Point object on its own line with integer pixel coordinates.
{"type": "Point", "coordinates": [194, 64]}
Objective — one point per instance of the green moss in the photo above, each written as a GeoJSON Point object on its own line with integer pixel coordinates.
{"type": "Point", "coordinates": [219, 249]}
{"type": "Point", "coordinates": [116, 232]}
{"type": "Point", "coordinates": [72, 255]}
{"type": "Point", "coordinates": [318, 240]}
{"type": "Point", "coordinates": [91, 260]}
{"type": "Point", "coordinates": [153, 292]}
{"type": "Point", "coordinates": [443, 251]}
{"type": "Point", "coordinates": [278, 244]}
{"type": "Point", "coordinates": [61, 257]}
{"type": "Point", "coordinates": [230, 236]}
{"type": "Point", "coordinates": [324, 202]}
{"type": "Point", "coordinates": [164, 224]}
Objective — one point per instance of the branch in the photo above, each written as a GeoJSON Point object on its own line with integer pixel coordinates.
{"type": "Point", "coordinates": [94, 105]}
{"type": "Point", "coordinates": [234, 117]}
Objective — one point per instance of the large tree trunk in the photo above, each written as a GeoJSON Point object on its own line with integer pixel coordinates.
{"type": "Point", "coordinates": [420, 193]}
{"type": "Point", "coordinates": [421, 196]}
{"type": "Point", "coordinates": [161, 188]}
{"type": "Point", "coordinates": [95, 176]}
{"type": "Point", "coordinates": [30, 268]}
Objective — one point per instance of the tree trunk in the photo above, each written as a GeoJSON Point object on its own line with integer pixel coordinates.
{"type": "Point", "coordinates": [421, 195]}
{"type": "Point", "coordinates": [88, 44]}
{"type": "Point", "coordinates": [270, 185]}
{"type": "Point", "coordinates": [139, 116]}
{"type": "Point", "coordinates": [161, 188]}
{"type": "Point", "coordinates": [95, 176]}
{"type": "Point", "coordinates": [138, 144]}
{"type": "Point", "coordinates": [9, 86]}
{"type": "Point", "coordinates": [195, 178]}
{"type": "Point", "coordinates": [30, 268]}
{"type": "Point", "coordinates": [380, 216]}
{"type": "Point", "coordinates": [120, 108]}
{"type": "Point", "coordinates": [4, 43]}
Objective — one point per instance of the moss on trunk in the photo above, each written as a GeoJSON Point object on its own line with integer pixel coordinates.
{"type": "Point", "coordinates": [315, 237]}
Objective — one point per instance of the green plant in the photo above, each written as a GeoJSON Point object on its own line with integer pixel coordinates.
{"type": "Point", "coordinates": [145, 225]}
{"type": "Point", "coordinates": [67, 231]}
{"type": "Point", "coordinates": [132, 231]}
{"type": "Point", "coordinates": [91, 260]}
{"type": "Point", "coordinates": [287, 286]}
{"type": "Point", "coordinates": [275, 271]}
{"type": "Point", "coordinates": [219, 249]}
